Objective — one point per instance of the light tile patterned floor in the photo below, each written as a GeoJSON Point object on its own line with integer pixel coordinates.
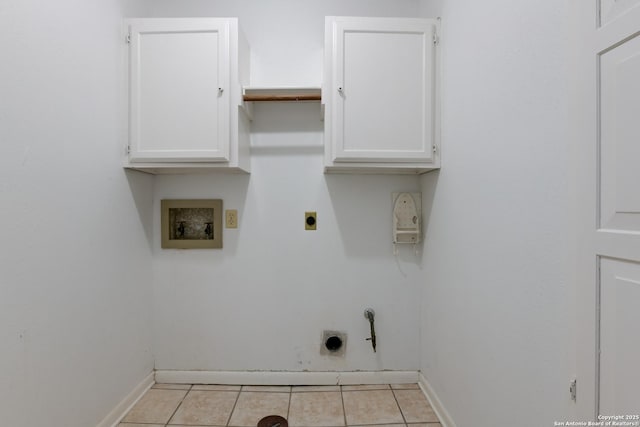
{"type": "Point", "coordinates": [181, 405]}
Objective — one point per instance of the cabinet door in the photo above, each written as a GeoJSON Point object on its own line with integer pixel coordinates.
{"type": "Point", "coordinates": [179, 90]}
{"type": "Point", "coordinates": [383, 90]}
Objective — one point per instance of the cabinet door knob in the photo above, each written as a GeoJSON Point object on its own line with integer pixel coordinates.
{"type": "Point", "coordinates": [220, 90]}
{"type": "Point", "coordinates": [340, 91]}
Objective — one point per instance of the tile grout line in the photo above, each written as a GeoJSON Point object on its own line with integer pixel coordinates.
{"type": "Point", "coordinates": [344, 410]}
{"type": "Point", "coordinates": [179, 404]}
{"type": "Point", "coordinates": [289, 406]}
{"type": "Point", "coordinates": [399, 407]}
{"type": "Point", "coordinates": [234, 406]}
{"type": "Point", "coordinates": [367, 389]}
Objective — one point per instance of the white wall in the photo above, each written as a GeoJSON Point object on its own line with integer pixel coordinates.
{"type": "Point", "coordinates": [262, 302]}
{"type": "Point", "coordinates": [75, 286]}
{"type": "Point", "coordinates": [75, 311]}
{"type": "Point", "coordinates": [495, 319]}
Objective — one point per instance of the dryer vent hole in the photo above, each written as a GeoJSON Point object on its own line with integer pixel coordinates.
{"type": "Point", "coordinates": [333, 343]}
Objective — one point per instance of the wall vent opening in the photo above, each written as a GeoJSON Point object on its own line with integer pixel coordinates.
{"type": "Point", "coordinates": [334, 343]}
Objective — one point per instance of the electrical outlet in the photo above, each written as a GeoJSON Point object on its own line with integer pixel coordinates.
{"type": "Point", "coordinates": [231, 218]}
{"type": "Point", "coordinates": [310, 221]}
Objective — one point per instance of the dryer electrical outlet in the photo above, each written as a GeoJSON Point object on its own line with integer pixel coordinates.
{"type": "Point", "coordinates": [310, 221]}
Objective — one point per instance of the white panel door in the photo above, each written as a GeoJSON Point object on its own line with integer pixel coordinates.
{"type": "Point", "coordinates": [619, 338]}
{"type": "Point", "coordinates": [606, 127]}
{"type": "Point", "coordinates": [179, 90]}
{"type": "Point", "coordinates": [612, 9]}
{"type": "Point", "coordinates": [383, 83]}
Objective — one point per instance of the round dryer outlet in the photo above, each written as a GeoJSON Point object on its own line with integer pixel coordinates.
{"type": "Point", "coordinates": [334, 343]}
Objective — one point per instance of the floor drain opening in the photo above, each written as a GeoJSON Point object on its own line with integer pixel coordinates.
{"type": "Point", "coordinates": [273, 421]}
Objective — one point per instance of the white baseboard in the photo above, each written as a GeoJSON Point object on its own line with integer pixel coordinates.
{"type": "Point", "coordinates": [436, 404]}
{"type": "Point", "coordinates": [114, 417]}
{"type": "Point", "coordinates": [286, 378]}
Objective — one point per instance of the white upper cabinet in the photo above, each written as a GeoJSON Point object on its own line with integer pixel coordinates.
{"type": "Point", "coordinates": [380, 95]}
{"type": "Point", "coordinates": [185, 89]}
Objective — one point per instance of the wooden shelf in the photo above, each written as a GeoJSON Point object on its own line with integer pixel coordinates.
{"type": "Point", "coordinates": [277, 94]}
